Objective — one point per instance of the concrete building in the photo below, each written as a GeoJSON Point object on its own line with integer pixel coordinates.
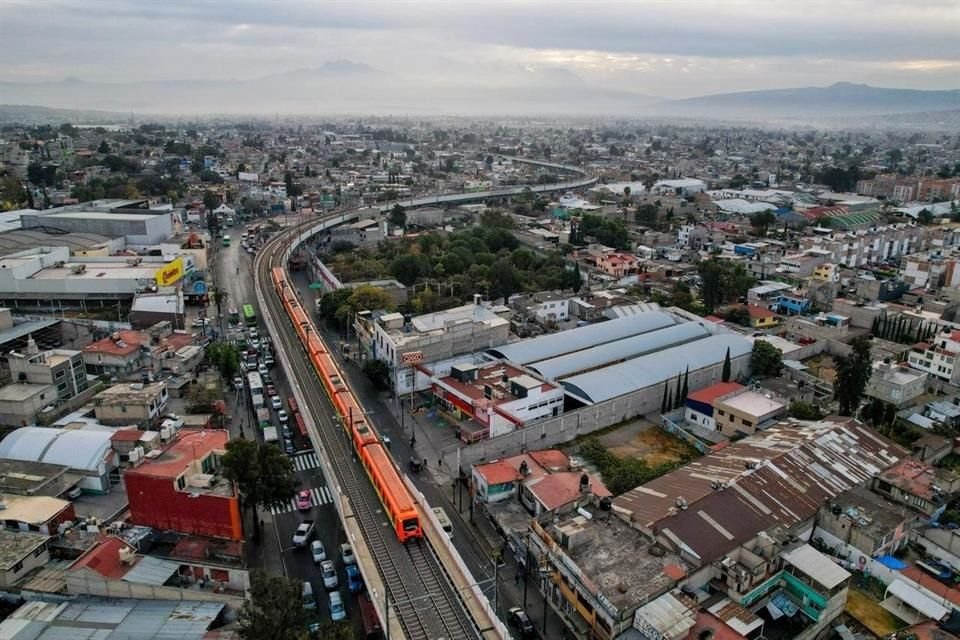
{"type": "Point", "coordinates": [498, 397]}
{"type": "Point", "coordinates": [767, 294]}
{"type": "Point", "coordinates": [113, 568]}
{"type": "Point", "coordinates": [61, 368]}
{"type": "Point", "coordinates": [802, 265]}
{"type": "Point", "coordinates": [22, 402]}
{"type": "Point", "coordinates": [918, 485]}
{"type": "Point", "coordinates": [931, 270]}
{"type": "Point", "coordinates": [938, 356]}
{"type": "Point", "coordinates": [136, 404]}
{"type": "Point", "coordinates": [50, 273]}
{"type": "Point", "coordinates": [179, 488]}
{"type": "Point", "coordinates": [86, 452]}
{"type": "Point", "coordinates": [898, 385]}
{"type": "Point", "coordinates": [362, 233]}
{"type": "Point", "coordinates": [870, 524]}
{"type": "Point", "coordinates": [21, 478]}
{"type": "Point", "coordinates": [698, 407]}
{"type": "Point", "coordinates": [140, 226]}
{"type": "Point", "coordinates": [402, 341]}
{"type": "Point", "coordinates": [126, 352]}
{"type": "Point", "coordinates": [40, 514]}
{"type": "Point", "coordinates": [745, 411]}
{"type": "Point", "coordinates": [859, 248]}
{"type": "Point", "coordinates": [20, 553]}
{"type": "Point", "coordinates": [596, 572]}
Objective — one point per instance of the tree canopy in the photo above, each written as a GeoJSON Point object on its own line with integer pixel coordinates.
{"type": "Point", "coordinates": [853, 374]}
{"type": "Point", "coordinates": [264, 475]}
{"type": "Point", "coordinates": [766, 360]}
{"type": "Point", "coordinates": [274, 610]}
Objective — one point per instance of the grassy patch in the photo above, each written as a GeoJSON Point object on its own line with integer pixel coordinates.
{"type": "Point", "coordinates": [624, 472]}
{"type": "Point", "coordinates": [870, 614]}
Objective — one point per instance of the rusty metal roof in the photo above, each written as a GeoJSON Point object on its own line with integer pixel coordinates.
{"type": "Point", "coordinates": [780, 476]}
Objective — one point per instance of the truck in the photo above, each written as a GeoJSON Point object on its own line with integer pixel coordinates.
{"type": "Point", "coordinates": [270, 434]}
{"type": "Point", "coordinates": [263, 418]}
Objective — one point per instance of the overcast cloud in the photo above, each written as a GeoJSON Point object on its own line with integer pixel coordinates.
{"type": "Point", "coordinates": [675, 48]}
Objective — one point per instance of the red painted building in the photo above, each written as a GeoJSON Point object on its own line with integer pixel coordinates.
{"type": "Point", "coordinates": [181, 488]}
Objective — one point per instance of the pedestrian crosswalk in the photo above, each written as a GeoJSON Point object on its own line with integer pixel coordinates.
{"type": "Point", "coordinates": [304, 461]}
{"type": "Point", "coordinates": [319, 496]}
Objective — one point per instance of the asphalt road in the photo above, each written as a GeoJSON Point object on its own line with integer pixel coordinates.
{"type": "Point", "coordinates": [232, 268]}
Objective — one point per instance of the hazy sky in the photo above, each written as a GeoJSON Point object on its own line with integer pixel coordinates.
{"type": "Point", "coordinates": [674, 48]}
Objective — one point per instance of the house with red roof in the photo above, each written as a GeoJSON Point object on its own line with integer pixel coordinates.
{"type": "Point", "coordinates": [126, 352]}
{"type": "Point", "coordinates": [542, 481]}
{"type": "Point", "coordinates": [113, 568]}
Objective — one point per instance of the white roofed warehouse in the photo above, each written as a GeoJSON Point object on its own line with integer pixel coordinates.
{"type": "Point", "coordinates": [85, 451]}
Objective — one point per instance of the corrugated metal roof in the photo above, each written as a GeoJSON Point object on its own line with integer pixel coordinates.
{"type": "Point", "coordinates": [151, 570]}
{"type": "Point", "coordinates": [654, 368]}
{"type": "Point", "coordinates": [816, 565]}
{"type": "Point", "coordinates": [619, 350]}
{"type": "Point", "coordinates": [917, 599]}
{"type": "Point", "coordinates": [75, 448]}
{"type": "Point", "coordinates": [564, 342]}
{"type": "Point", "coordinates": [88, 618]}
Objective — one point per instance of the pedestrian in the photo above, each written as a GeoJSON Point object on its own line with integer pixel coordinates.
{"type": "Point", "coordinates": [439, 462]}
{"type": "Point", "coordinates": [516, 578]}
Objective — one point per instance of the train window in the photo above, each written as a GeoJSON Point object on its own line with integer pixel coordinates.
{"type": "Point", "coordinates": [410, 525]}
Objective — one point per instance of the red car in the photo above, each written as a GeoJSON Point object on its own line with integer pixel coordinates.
{"type": "Point", "coordinates": [303, 500]}
{"type": "Point", "coordinates": [271, 390]}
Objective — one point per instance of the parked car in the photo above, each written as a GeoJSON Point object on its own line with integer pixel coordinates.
{"type": "Point", "coordinates": [201, 322]}
{"type": "Point", "coordinates": [303, 500]}
{"type": "Point", "coordinates": [346, 554]}
{"type": "Point", "coordinates": [286, 432]}
{"type": "Point", "coordinates": [276, 403]}
{"type": "Point", "coordinates": [337, 611]}
{"type": "Point", "coordinates": [282, 416]}
{"type": "Point", "coordinates": [306, 596]}
{"type": "Point", "coordinates": [254, 332]}
{"type": "Point", "coordinates": [288, 447]}
{"type": "Point", "coordinates": [262, 369]}
{"type": "Point", "coordinates": [317, 552]}
{"type": "Point", "coordinates": [268, 360]}
{"type": "Point", "coordinates": [303, 533]}
{"type": "Point", "coordinates": [354, 579]}
{"type": "Point", "coordinates": [270, 389]}
{"type": "Point", "coordinates": [519, 618]}
{"type": "Point", "coordinates": [329, 573]}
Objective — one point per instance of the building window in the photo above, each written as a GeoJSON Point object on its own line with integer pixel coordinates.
{"type": "Point", "coordinates": [181, 482]}
{"type": "Point", "coordinates": [746, 423]}
{"type": "Point", "coordinates": [59, 374]}
{"type": "Point", "coordinates": [17, 567]}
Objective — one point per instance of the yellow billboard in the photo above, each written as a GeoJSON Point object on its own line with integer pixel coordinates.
{"type": "Point", "coordinates": [169, 273]}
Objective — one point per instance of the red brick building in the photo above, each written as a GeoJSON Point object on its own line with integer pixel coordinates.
{"type": "Point", "coordinates": [180, 488]}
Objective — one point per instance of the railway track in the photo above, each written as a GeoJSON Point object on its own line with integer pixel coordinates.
{"type": "Point", "coordinates": [419, 590]}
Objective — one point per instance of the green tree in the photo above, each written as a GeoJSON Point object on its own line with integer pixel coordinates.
{"type": "Point", "coordinates": [804, 411]}
{"type": "Point", "coordinates": [264, 475]}
{"type": "Point", "coordinates": [738, 315]}
{"type": "Point", "coordinates": [725, 376]}
{"type": "Point", "coordinates": [274, 610]}
{"type": "Point", "coordinates": [646, 215]}
{"type": "Point", "coordinates": [329, 630]}
{"type": "Point", "coordinates": [378, 372]}
{"type": "Point", "coordinates": [761, 221]}
{"type": "Point", "coordinates": [409, 268]}
{"type": "Point", "coordinates": [363, 298]}
{"type": "Point", "coordinates": [207, 175]}
{"type": "Point", "coordinates": [576, 278]}
{"type": "Point", "coordinates": [766, 360]}
{"type": "Point", "coordinates": [104, 147]}
{"type": "Point", "coordinates": [398, 216]}
{"type": "Point", "coordinates": [853, 374]}
{"type": "Point", "coordinates": [665, 402]}
{"type": "Point", "coordinates": [210, 200]}
{"type": "Point", "coordinates": [219, 296]}
{"type": "Point", "coordinates": [925, 217]}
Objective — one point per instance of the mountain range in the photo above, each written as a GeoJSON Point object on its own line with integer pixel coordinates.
{"type": "Point", "coordinates": [344, 86]}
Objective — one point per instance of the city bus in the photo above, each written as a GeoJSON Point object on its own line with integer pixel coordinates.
{"type": "Point", "coordinates": [249, 315]}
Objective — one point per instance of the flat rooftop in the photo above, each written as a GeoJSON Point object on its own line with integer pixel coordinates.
{"type": "Point", "coordinates": [753, 403]}
{"type": "Point", "coordinates": [129, 393]}
{"type": "Point", "coordinates": [618, 559]}
{"type": "Point", "coordinates": [103, 215]}
{"type": "Point", "coordinates": [95, 270]}
{"type": "Point", "coordinates": [15, 545]}
{"type": "Point", "coordinates": [24, 392]}
{"type": "Point", "coordinates": [870, 511]}
{"type": "Point", "coordinates": [23, 477]}
{"type": "Point", "coordinates": [188, 447]}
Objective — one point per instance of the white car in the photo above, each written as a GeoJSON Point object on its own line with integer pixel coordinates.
{"type": "Point", "coordinates": [276, 403]}
{"type": "Point", "coordinates": [262, 369]}
{"type": "Point", "coordinates": [337, 611]}
{"type": "Point", "coordinates": [346, 553]}
{"type": "Point", "coordinates": [238, 383]}
{"type": "Point", "coordinates": [254, 332]}
{"type": "Point", "coordinates": [201, 322]}
{"type": "Point", "coordinates": [318, 552]}
{"type": "Point", "coordinates": [282, 416]}
{"type": "Point", "coordinates": [329, 573]}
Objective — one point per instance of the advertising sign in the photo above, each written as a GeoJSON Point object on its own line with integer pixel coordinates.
{"type": "Point", "coordinates": [169, 273]}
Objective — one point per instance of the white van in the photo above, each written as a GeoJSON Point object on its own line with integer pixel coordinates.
{"type": "Point", "coordinates": [445, 523]}
{"type": "Point", "coordinates": [306, 596]}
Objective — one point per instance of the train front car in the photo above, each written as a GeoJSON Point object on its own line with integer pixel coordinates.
{"type": "Point", "coordinates": [400, 505]}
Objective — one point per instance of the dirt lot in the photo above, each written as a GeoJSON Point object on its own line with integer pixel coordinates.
{"type": "Point", "coordinates": [646, 441]}
{"type": "Point", "coordinates": [822, 367]}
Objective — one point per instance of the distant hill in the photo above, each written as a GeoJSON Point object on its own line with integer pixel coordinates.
{"type": "Point", "coordinates": [32, 114]}
{"type": "Point", "coordinates": [841, 99]}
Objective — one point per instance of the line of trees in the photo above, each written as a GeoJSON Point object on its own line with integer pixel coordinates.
{"type": "Point", "coordinates": [902, 329]}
